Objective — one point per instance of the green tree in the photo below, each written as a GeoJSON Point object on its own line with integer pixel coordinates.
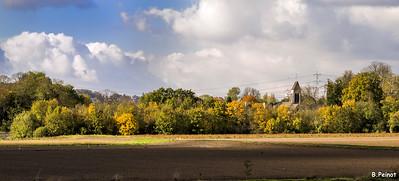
{"type": "Point", "coordinates": [23, 125]}
{"type": "Point", "coordinates": [364, 87]}
{"type": "Point", "coordinates": [41, 108]}
{"type": "Point", "coordinates": [60, 121]}
{"type": "Point", "coordinates": [172, 121]}
{"type": "Point", "coordinates": [198, 119]}
{"type": "Point", "coordinates": [26, 88]}
{"type": "Point", "coordinates": [233, 94]}
{"type": "Point", "coordinates": [174, 97]}
{"type": "Point", "coordinates": [148, 116]}
{"type": "Point", "coordinates": [394, 122]}
{"type": "Point", "coordinates": [335, 89]}
{"type": "Point", "coordinates": [218, 118]}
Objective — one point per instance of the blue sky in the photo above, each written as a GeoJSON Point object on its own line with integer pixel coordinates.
{"type": "Point", "coordinates": [204, 45]}
{"type": "Point", "coordinates": [99, 22]}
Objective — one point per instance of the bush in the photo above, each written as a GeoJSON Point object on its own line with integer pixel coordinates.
{"type": "Point", "coordinates": [260, 114]}
{"type": "Point", "coordinates": [349, 118]}
{"type": "Point", "coordinates": [394, 122]}
{"type": "Point", "coordinates": [305, 121]}
{"type": "Point", "coordinates": [172, 121]}
{"type": "Point", "coordinates": [23, 125]}
{"type": "Point", "coordinates": [127, 124]}
{"type": "Point", "coordinates": [40, 132]}
{"type": "Point", "coordinates": [148, 115]}
{"type": "Point", "coordinates": [238, 117]}
{"type": "Point", "coordinates": [42, 107]}
{"type": "Point", "coordinates": [60, 122]}
{"type": "Point", "coordinates": [282, 123]}
{"type": "Point", "coordinates": [218, 118]}
{"type": "Point", "coordinates": [198, 118]}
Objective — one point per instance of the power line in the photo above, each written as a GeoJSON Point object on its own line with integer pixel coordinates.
{"type": "Point", "coordinates": [252, 83]}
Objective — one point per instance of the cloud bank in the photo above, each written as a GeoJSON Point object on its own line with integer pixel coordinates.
{"type": "Point", "coordinates": [233, 42]}
{"type": "Point", "coordinates": [96, 63]}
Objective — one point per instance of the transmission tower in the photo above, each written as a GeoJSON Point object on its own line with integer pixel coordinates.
{"type": "Point", "coordinates": [317, 81]}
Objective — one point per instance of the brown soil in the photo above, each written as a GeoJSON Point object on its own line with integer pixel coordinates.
{"type": "Point", "coordinates": [191, 160]}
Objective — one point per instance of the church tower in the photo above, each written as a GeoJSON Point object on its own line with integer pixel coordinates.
{"type": "Point", "coordinates": [295, 94]}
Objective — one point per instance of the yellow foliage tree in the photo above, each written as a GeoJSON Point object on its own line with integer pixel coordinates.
{"type": "Point", "coordinates": [260, 115]}
{"type": "Point", "coordinates": [127, 124]}
{"type": "Point", "coordinates": [327, 118]}
{"type": "Point", "coordinates": [237, 114]}
{"type": "Point", "coordinates": [282, 123]}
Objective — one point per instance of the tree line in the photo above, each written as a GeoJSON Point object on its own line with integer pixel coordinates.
{"type": "Point", "coordinates": [33, 105]}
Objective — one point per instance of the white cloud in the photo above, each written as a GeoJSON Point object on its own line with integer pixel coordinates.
{"type": "Point", "coordinates": [96, 65]}
{"type": "Point", "coordinates": [139, 22]}
{"type": "Point", "coordinates": [125, 17]}
{"type": "Point", "coordinates": [346, 3]}
{"type": "Point", "coordinates": [40, 51]}
{"type": "Point", "coordinates": [175, 56]}
{"type": "Point", "coordinates": [209, 53]}
{"type": "Point", "coordinates": [233, 42]}
{"type": "Point", "coordinates": [372, 17]}
{"type": "Point", "coordinates": [82, 71]}
{"type": "Point", "coordinates": [214, 45]}
{"type": "Point", "coordinates": [227, 20]}
{"type": "Point", "coordinates": [139, 55]}
{"type": "Point", "coordinates": [106, 53]}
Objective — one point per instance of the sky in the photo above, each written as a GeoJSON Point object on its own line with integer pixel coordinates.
{"type": "Point", "coordinates": [208, 46]}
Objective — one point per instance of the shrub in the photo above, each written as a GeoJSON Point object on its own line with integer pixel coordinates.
{"type": "Point", "coordinates": [42, 107]}
{"type": "Point", "coordinates": [394, 122]}
{"type": "Point", "coordinates": [97, 118]}
{"type": "Point", "coordinates": [40, 132]}
{"type": "Point", "coordinates": [305, 121]}
{"type": "Point", "coordinates": [23, 125]}
{"type": "Point", "coordinates": [172, 121]}
{"type": "Point", "coordinates": [348, 118]}
{"type": "Point", "coordinates": [281, 123]}
{"type": "Point", "coordinates": [59, 122]}
{"type": "Point", "coordinates": [218, 118]}
{"type": "Point", "coordinates": [127, 124]}
{"type": "Point", "coordinates": [238, 117]}
{"type": "Point", "coordinates": [260, 115]}
{"type": "Point", "coordinates": [198, 119]}
{"type": "Point", "coordinates": [148, 115]}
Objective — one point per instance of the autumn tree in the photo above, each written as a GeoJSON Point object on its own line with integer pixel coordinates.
{"type": "Point", "coordinates": [335, 88]}
{"type": "Point", "coordinates": [260, 114]}
{"type": "Point", "coordinates": [238, 121]}
{"type": "Point", "coordinates": [364, 87]}
{"type": "Point", "coordinates": [60, 121]}
{"type": "Point", "coordinates": [127, 124]}
{"type": "Point", "coordinates": [23, 125]}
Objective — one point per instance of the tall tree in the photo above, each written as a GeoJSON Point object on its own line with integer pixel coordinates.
{"type": "Point", "coordinates": [249, 91]}
{"type": "Point", "coordinates": [233, 94]}
{"type": "Point", "coordinates": [364, 87]}
{"type": "Point", "coordinates": [383, 70]}
{"type": "Point", "coordinates": [334, 89]}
